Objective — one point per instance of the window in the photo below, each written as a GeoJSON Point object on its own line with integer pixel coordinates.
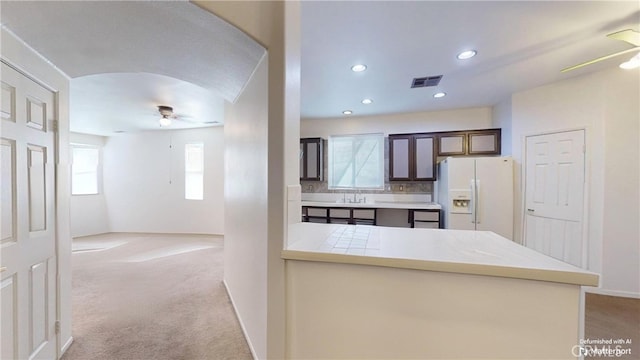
{"type": "Point", "coordinates": [84, 169]}
{"type": "Point", "coordinates": [356, 161]}
{"type": "Point", "coordinates": [194, 171]}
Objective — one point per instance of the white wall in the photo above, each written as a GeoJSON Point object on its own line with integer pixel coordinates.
{"type": "Point", "coordinates": [448, 120]}
{"type": "Point", "coordinates": [144, 182]}
{"type": "Point", "coordinates": [89, 212]}
{"type": "Point", "coordinates": [260, 158]}
{"type": "Point", "coordinates": [245, 196]}
{"type": "Point", "coordinates": [502, 119]}
{"type": "Point", "coordinates": [606, 103]}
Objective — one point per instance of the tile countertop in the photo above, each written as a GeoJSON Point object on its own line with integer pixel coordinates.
{"type": "Point", "coordinates": [377, 205]}
{"type": "Point", "coordinates": [454, 251]}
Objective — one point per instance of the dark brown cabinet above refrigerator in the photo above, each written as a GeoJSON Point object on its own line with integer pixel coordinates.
{"type": "Point", "coordinates": [469, 142]}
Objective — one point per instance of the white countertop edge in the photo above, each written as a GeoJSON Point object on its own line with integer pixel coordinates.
{"type": "Point", "coordinates": [565, 277]}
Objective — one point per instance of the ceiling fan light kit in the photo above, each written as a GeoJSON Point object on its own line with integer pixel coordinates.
{"type": "Point", "coordinates": [166, 112]}
{"type": "Point", "coordinates": [633, 63]}
{"type": "Point", "coordinates": [628, 35]}
{"type": "Point", "coordinates": [165, 121]}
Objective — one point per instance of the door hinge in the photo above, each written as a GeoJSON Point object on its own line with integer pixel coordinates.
{"type": "Point", "coordinates": [57, 326]}
{"type": "Point", "coordinates": [55, 125]}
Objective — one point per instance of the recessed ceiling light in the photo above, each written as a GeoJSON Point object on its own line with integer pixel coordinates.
{"type": "Point", "coordinates": [347, 112]}
{"type": "Point", "coordinates": [439, 95]}
{"type": "Point", "coordinates": [467, 54]}
{"type": "Point", "coordinates": [367, 101]}
{"type": "Point", "coordinates": [359, 67]}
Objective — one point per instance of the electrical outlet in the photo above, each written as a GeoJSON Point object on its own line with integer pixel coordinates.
{"type": "Point", "coordinates": [309, 187]}
{"type": "Point", "coordinates": [401, 188]}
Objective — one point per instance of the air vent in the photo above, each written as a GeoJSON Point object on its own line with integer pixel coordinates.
{"type": "Point", "coordinates": [426, 81]}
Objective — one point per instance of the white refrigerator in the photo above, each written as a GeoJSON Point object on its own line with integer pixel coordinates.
{"type": "Point", "coordinates": [477, 194]}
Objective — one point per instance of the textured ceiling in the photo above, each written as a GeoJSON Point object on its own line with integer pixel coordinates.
{"type": "Point", "coordinates": [125, 58]}
{"type": "Point", "coordinates": [127, 102]}
{"type": "Point", "coordinates": [171, 38]}
{"type": "Point", "coordinates": [520, 44]}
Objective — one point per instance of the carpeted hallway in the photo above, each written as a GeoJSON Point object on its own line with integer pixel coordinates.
{"type": "Point", "coordinates": [140, 296]}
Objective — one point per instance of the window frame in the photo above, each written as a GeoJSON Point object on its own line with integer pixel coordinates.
{"type": "Point", "coordinates": [97, 171]}
{"type": "Point", "coordinates": [190, 172]}
{"type": "Point", "coordinates": [379, 137]}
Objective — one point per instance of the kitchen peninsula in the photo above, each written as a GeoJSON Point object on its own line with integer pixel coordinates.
{"type": "Point", "coordinates": [378, 292]}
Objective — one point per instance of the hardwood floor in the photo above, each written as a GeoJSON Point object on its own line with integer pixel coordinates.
{"type": "Point", "coordinates": [613, 318]}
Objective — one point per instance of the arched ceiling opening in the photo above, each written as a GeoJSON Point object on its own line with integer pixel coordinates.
{"type": "Point", "coordinates": [182, 44]}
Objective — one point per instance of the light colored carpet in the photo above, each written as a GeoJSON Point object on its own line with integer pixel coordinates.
{"type": "Point", "coordinates": [138, 296]}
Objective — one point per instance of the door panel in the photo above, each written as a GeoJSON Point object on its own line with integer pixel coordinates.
{"type": "Point", "coordinates": [37, 188]}
{"type": "Point", "coordinates": [7, 185]}
{"type": "Point", "coordinates": [494, 183]}
{"type": "Point", "coordinates": [555, 166]}
{"type": "Point", "coordinates": [9, 323]}
{"type": "Point", "coordinates": [28, 245]}
{"type": "Point", "coordinates": [8, 102]}
{"type": "Point", "coordinates": [36, 113]}
{"type": "Point", "coordinates": [554, 195]}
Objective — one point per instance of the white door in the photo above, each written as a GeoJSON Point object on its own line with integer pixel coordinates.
{"type": "Point", "coordinates": [27, 244]}
{"type": "Point", "coordinates": [494, 195]}
{"type": "Point", "coordinates": [554, 195]}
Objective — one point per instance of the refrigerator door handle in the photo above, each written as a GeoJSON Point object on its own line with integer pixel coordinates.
{"type": "Point", "coordinates": [473, 201]}
{"type": "Point", "coordinates": [476, 204]}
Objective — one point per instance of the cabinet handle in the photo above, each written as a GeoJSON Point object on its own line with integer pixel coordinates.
{"type": "Point", "coordinates": [530, 210]}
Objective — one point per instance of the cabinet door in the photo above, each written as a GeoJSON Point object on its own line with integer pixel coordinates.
{"type": "Point", "coordinates": [302, 155]}
{"type": "Point", "coordinates": [452, 144]}
{"type": "Point", "coordinates": [399, 157]}
{"type": "Point", "coordinates": [485, 142]}
{"type": "Point", "coordinates": [425, 169]}
{"type": "Point", "coordinates": [311, 159]}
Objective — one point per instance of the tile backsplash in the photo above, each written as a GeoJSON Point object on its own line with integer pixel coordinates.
{"type": "Point", "coordinates": [414, 187]}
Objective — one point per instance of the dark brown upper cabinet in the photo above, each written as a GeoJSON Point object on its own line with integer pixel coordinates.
{"type": "Point", "coordinates": [452, 144]}
{"type": "Point", "coordinates": [311, 156]}
{"type": "Point", "coordinates": [484, 142]}
{"type": "Point", "coordinates": [469, 142]}
{"type": "Point", "coordinates": [412, 157]}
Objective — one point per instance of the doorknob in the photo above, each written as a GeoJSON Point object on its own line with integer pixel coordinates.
{"type": "Point", "coordinates": [2, 269]}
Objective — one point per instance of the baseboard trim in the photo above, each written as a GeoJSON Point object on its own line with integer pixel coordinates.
{"type": "Point", "coordinates": [618, 293]}
{"type": "Point", "coordinates": [66, 346]}
{"type": "Point", "coordinates": [244, 330]}
{"type": "Point", "coordinates": [150, 234]}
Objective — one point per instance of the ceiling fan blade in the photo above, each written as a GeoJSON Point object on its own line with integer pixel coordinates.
{"type": "Point", "coordinates": [192, 120]}
{"type": "Point", "coordinates": [630, 36]}
{"type": "Point", "coordinates": [600, 59]}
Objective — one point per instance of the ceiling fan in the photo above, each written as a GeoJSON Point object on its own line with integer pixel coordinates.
{"type": "Point", "coordinates": [167, 116]}
{"type": "Point", "coordinates": [630, 36]}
